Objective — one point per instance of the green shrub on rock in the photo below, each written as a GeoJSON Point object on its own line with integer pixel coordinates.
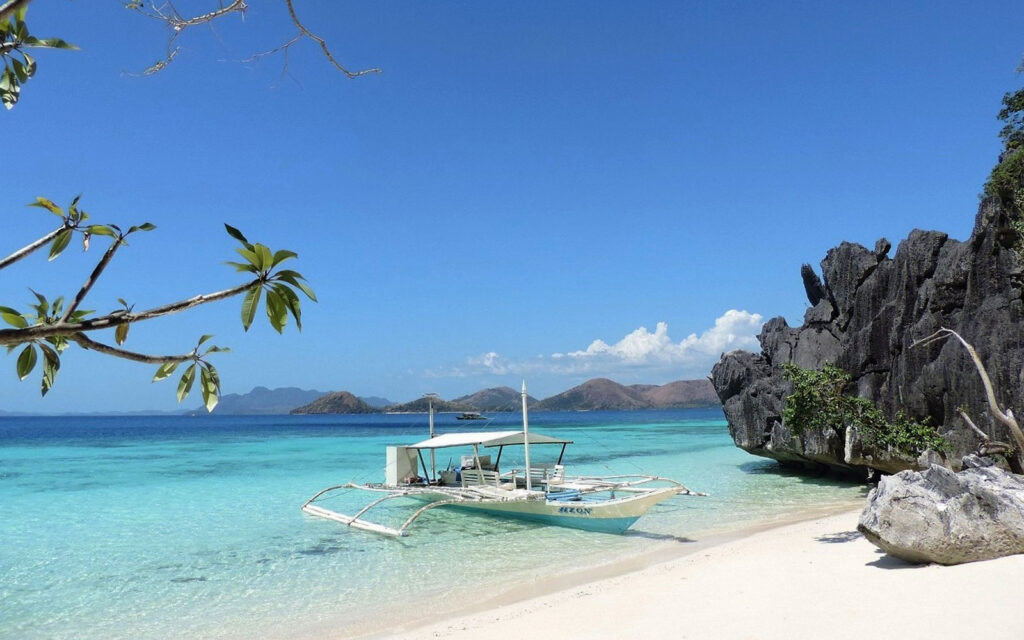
{"type": "Point", "coordinates": [818, 402]}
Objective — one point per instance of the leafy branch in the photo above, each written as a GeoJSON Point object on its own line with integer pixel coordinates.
{"type": "Point", "coordinates": [49, 327]}
{"type": "Point", "coordinates": [19, 65]}
{"type": "Point", "coordinates": [818, 402]}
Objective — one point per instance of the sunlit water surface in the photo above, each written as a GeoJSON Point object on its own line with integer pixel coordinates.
{"type": "Point", "coordinates": [156, 527]}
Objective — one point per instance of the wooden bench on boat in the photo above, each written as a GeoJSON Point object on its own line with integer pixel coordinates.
{"type": "Point", "coordinates": [485, 477]}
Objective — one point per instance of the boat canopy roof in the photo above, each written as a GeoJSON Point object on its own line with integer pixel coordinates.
{"type": "Point", "coordinates": [485, 438]}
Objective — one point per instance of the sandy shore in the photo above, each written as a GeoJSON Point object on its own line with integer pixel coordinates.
{"type": "Point", "coordinates": [813, 579]}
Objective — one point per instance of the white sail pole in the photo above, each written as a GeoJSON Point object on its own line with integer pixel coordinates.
{"type": "Point", "coordinates": [526, 439]}
{"type": "Point", "coordinates": [430, 409]}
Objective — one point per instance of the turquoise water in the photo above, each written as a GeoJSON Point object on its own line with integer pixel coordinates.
{"type": "Point", "coordinates": [156, 527]}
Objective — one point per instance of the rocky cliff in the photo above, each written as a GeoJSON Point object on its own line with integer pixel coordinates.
{"type": "Point", "coordinates": [865, 313]}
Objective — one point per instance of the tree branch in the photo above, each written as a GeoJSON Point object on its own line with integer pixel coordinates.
{"type": "Point", "coordinates": [93, 277]}
{"type": "Point", "coordinates": [168, 14]}
{"type": "Point", "coordinates": [27, 250]}
{"type": "Point", "coordinates": [974, 427]}
{"type": "Point", "coordinates": [1005, 417]}
{"type": "Point", "coordinates": [86, 343]}
{"type": "Point", "coordinates": [323, 45]}
{"type": "Point", "coordinates": [109, 321]}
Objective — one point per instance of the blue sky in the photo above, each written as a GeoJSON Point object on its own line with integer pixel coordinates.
{"type": "Point", "coordinates": [523, 180]}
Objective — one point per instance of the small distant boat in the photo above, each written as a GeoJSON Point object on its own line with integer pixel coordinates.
{"type": "Point", "coordinates": [470, 415]}
{"type": "Point", "coordinates": [541, 493]}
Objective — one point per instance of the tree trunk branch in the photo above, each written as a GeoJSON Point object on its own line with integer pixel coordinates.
{"type": "Point", "coordinates": [93, 277]}
{"type": "Point", "coordinates": [86, 343]}
{"type": "Point", "coordinates": [1004, 417]}
{"type": "Point", "coordinates": [28, 249]}
{"type": "Point", "coordinates": [323, 45]}
{"type": "Point", "coordinates": [109, 321]}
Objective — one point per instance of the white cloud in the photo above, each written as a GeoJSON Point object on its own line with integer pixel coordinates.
{"type": "Point", "coordinates": [639, 350]}
{"type": "Point", "coordinates": [733, 330]}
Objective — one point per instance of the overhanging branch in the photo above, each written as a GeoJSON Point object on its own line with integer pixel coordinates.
{"type": "Point", "coordinates": [28, 249]}
{"type": "Point", "coordinates": [109, 321]}
{"type": "Point", "coordinates": [86, 343]}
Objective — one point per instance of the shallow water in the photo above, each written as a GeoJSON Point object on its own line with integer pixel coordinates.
{"type": "Point", "coordinates": [155, 527]}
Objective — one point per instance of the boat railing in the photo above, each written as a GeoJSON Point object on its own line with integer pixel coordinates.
{"type": "Point", "coordinates": [628, 481]}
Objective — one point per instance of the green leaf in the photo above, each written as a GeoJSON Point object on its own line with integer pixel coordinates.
{"type": "Point", "coordinates": [237, 235]}
{"type": "Point", "coordinates": [51, 366]}
{"type": "Point", "coordinates": [19, 70]}
{"type": "Point", "coordinates": [277, 312]}
{"type": "Point", "coordinates": [100, 230]}
{"type": "Point", "coordinates": [239, 267]}
{"type": "Point", "coordinates": [53, 43]}
{"type": "Point", "coordinates": [30, 64]}
{"type": "Point", "coordinates": [281, 256]}
{"type": "Point", "coordinates": [43, 303]}
{"type": "Point", "coordinates": [209, 388]}
{"type": "Point", "coordinates": [26, 361]}
{"type": "Point", "coordinates": [291, 301]}
{"type": "Point", "coordinates": [249, 304]}
{"type": "Point", "coordinates": [165, 371]}
{"type": "Point", "coordinates": [121, 333]}
{"type": "Point", "coordinates": [60, 243]}
{"type": "Point", "coordinates": [216, 349]}
{"type": "Point", "coordinates": [48, 205]}
{"type": "Point", "coordinates": [295, 279]}
{"type": "Point", "coordinates": [251, 258]}
{"type": "Point", "coordinates": [13, 318]}
{"type": "Point", "coordinates": [265, 258]}
{"type": "Point", "coordinates": [185, 384]}
{"type": "Point", "coordinates": [204, 338]}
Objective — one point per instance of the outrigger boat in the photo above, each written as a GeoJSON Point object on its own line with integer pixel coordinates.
{"type": "Point", "coordinates": [538, 492]}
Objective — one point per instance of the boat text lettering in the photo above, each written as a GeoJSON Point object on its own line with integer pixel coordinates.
{"type": "Point", "coordinates": [584, 511]}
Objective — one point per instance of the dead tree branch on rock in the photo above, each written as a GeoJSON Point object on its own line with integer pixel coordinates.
{"type": "Point", "coordinates": [1014, 453]}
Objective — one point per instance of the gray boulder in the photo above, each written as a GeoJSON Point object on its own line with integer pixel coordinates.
{"type": "Point", "coordinates": [945, 517]}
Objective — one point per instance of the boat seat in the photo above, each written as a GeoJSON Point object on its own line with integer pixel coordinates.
{"type": "Point", "coordinates": [486, 477]}
{"type": "Point", "coordinates": [547, 474]}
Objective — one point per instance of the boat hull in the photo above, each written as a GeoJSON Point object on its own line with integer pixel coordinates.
{"type": "Point", "coordinates": [607, 516]}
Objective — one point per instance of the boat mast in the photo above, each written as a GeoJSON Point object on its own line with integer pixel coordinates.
{"type": "Point", "coordinates": [430, 410]}
{"type": "Point", "coordinates": [526, 440]}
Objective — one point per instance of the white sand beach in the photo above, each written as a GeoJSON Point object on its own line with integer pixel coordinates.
{"type": "Point", "coordinates": [813, 579]}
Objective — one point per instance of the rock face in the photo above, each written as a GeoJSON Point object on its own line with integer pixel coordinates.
{"type": "Point", "coordinates": [945, 517]}
{"type": "Point", "coordinates": [872, 309]}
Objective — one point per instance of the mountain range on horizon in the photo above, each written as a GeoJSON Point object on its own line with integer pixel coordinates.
{"type": "Point", "coordinates": [592, 395]}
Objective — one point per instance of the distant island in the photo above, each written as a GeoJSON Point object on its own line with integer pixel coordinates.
{"type": "Point", "coordinates": [593, 395]}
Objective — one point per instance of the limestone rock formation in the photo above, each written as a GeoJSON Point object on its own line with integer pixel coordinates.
{"type": "Point", "coordinates": [873, 308]}
{"type": "Point", "coordinates": [945, 517]}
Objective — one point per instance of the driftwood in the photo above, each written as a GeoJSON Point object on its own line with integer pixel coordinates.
{"type": "Point", "coordinates": [1014, 453]}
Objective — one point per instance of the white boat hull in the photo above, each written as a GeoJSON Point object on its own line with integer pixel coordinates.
{"type": "Point", "coordinates": [609, 516]}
